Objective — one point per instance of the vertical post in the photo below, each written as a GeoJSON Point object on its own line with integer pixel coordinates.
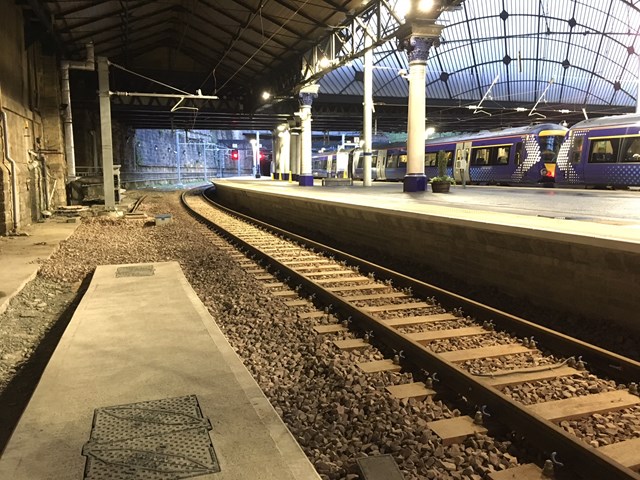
{"type": "Point", "coordinates": [307, 94]}
{"type": "Point", "coordinates": [254, 152]}
{"type": "Point", "coordinates": [257, 172]}
{"type": "Point", "coordinates": [105, 131]}
{"type": "Point", "coordinates": [285, 154]}
{"type": "Point", "coordinates": [638, 91]}
{"type": "Point", "coordinates": [368, 112]}
{"type": "Point", "coordinates": [204, 155]}
{"type": "Point", "coordinates": [424, 33]}
{"type": "Point", "coordinates": [178, 156]}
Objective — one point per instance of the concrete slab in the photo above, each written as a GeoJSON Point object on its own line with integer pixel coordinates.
{"type": "Point", "coordinates": [146, 338]}
{"type": "Point", "coordinates": [21, 256]}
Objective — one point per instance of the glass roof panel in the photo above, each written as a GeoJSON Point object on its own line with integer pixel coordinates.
{"type": "Point", "coordinates": [588, 47]}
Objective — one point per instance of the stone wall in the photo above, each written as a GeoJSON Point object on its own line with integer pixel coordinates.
{"type": "Point", "coordinates": [30, 97]}
{"type": "Point", "coordinates": [594, 277]}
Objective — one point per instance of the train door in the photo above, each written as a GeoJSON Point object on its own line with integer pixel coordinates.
{"type": "Point", "coordinates": [601, 157]}
{"type": "Point", "coordinates": [381, 161]}
{"type": "Point", "coordinates": [461, 164]}
{"type": "Point", "coordinates": [354, 159]}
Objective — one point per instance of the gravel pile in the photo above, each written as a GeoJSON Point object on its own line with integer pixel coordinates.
{"type": "Point", "coordinates": [336, 413]}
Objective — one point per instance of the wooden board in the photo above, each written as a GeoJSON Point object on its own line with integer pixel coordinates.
{"type": "Point", "coordinates": [431, 335]}
{"type": "Point", "coordinates": [379, 366]}
{"type": "Point", "coordinates": [303, 260]}
{"type": "Point", "coordinates": [351, 344]}
{"type": "Point", "coordinates": [315, 267]}
{"type": "Point", "coordinates": [419, 319]}
{"type": "Point", "coordinates": [503, 380]}
{"type": "Point", "coordinates": [258, 270]}
{"type": "Point", "coordinates": [576, 407]}
{"type": "Point", "coordinates": [267, 276]}
{"type": "Point", "coordinates": [484, 352]}
{"type": "Point", "coordinates": [273, 285]}
{"type": "Point", "coordinates": [341, 280]}
{"type": "Point", "coordinates": [296, 303]}
{"type": "Point", "coordinates": [455, 430]}
{"type": "Point", "coordinates": [392, 307]}
{"type": "Point", "coordinates": [416, 390]}
{"type": "Point", "coordinates": [333, 328]}
{"type": "Point", "coordinates": [626, 453]}
{"type": "Point", "coordinates": [528, 471]}
{"type": "Point", "coordinates": [374, 296]}
{"type": "Point", "coordinates": [353, 288]}
{"type": "Point", "coordinates": [317, 314]}
{"type": "Point", "coordinates": [328, 272]}
{"type": "Point", "coordinates": [285, 293]}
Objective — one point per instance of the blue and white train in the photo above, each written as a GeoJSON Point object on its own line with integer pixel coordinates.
{"type": "Point", "coordinates": [601, 152]}
{"type": "Point", "coordinates": [523, 155]}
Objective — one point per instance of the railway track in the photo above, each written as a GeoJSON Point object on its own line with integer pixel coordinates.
{"type": "Point", "coordinates": [480, 353]}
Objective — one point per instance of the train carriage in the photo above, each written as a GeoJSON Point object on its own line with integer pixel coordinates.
{"type": "Point", "coordinates": [523, 155]}
{"type": "Point", "coordinates": [602, 152]}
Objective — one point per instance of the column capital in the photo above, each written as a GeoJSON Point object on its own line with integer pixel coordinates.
{"type": "Point", "coordinates": [308, 93]}
{"type": "Point", "coordinates": [420, 35]}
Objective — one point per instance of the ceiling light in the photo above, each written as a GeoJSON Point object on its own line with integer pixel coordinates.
{"type": "Point", "coordinates": [324, 62]}
{"type": "Point", "coordinates": [425, 6]}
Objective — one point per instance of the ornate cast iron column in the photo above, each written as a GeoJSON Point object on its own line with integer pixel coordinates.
{"type": "Point", "coordinates": [423, 34]}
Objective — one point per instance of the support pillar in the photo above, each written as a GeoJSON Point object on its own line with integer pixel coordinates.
{"type": "Point", "coordinates": [285, 153]}
{"type": "Point", "coordinates": [307, 94]}
{"type": "Point", "coordinates": [424, 33]}
{"type": "Point", "coordinates": [105, 132]}
{"type": "Point", "coordinates": [368, 112]}
{"type": "Point", "coordinates": [295, 153]}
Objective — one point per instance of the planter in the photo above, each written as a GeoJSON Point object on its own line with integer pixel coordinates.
{"type": "Point", "coordinates": [440, 187]}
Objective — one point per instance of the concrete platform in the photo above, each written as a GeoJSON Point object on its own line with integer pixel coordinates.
{"type": "Point", "coordinates": [141, 366]}
{"type": "Point", "coordinates": [568, 249]}
{"type": "Point", "coordinates": [20, 256]}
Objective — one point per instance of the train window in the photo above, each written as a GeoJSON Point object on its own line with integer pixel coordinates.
{"type": "Point", "coordinates": [503, 156]}
{"type": "Point", "coordinates": [549, 146]}
{"type": "Point", "coordinates": [577, 150]}
{"type": "Point", "coordinates": [392, 161]}
{"type": "Point", "coordinates": [518, 155]}
{"type": "Point", "coordinates": [631, 150]}
{"type": "Point", "coordinates": [449, 158]}
{"type": "Point", "coordinates": [430, 159]}
{"type": "Point", "coordinates": [402, 160]}
{"type": "Point", "coordinates": [604, 151]}
{"type": "Point", "coordinates": [480, 156]}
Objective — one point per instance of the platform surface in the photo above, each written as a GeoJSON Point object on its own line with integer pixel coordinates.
{"type": "Point", "coordinates": [146, 339]}
{"type": "Point", "coordinates": [21, 256]}
{"type": "Point", "coordinates": [606, 214]}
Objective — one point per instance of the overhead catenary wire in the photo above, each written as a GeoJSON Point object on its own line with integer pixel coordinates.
{"type": "Point", "coordinates": [302, 5]}
{"type": "Point", "coordinates": [124, 69]}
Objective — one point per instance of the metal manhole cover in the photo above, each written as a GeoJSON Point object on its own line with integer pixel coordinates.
{"type": "Point", "coordinates": [158, 440]}
{"type": "Point", "coordinates": [135, 271]}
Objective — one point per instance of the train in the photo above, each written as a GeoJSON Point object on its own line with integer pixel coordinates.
{"type": "Point", "coordinates": [522, 155]}
{"type": "Point", "coordinates": [601, 152]}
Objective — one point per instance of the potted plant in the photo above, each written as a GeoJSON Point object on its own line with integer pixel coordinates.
{"type": "Point", "coordinates": [442, 182]}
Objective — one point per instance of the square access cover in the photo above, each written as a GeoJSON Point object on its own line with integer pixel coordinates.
{"type": "Point", "coordinates": [159, 440]}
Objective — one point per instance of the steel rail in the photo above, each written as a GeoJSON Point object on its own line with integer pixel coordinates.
{"type": "Point", "coordinates": [576, 455]}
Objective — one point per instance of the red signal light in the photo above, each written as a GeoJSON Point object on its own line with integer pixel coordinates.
{"type": "Point", "coordinates": [234, 155]}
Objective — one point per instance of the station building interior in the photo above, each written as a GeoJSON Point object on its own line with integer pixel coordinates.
{"type": "Point", "coordinates": [191, 82]}
{"type": "Point", "coordinates": [152, 328]}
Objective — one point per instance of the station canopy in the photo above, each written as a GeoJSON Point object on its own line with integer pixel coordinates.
{"type": "Point", "coordinates": [497, 62]}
